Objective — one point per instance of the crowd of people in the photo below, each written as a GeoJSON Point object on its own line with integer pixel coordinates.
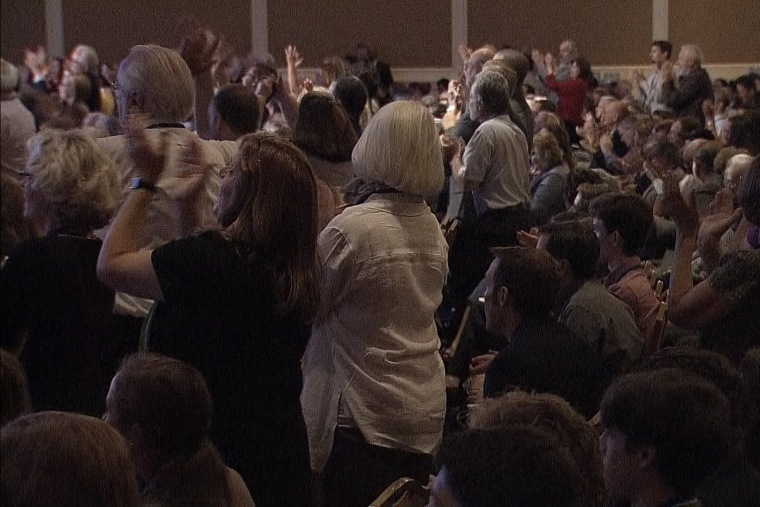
{"type": "Point", "coordinates": [522, 286]}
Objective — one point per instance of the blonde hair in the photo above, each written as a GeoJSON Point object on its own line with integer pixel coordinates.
{"type": "Point", "coordinates": [76, 178]}
{"type": "Point", "coordinates": [400, 148]}
{"type": "Point", "coordinates": [544, 143]}
{"type": "Point", "coordinates": [160, 79]}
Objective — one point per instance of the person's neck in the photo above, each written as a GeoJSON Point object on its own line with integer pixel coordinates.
{"type": "Point", "coordinates": [659, 65]}
{"type": "Point", "coordinates": [512, 325]}
{"type": "Point", "coordinates": [623, 261]}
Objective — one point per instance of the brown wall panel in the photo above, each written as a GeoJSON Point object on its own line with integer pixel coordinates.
{"type": "Point", "coordinates": [114, 27]}
{"type": "Point", "coordinates": [726, 31]}
{"type": "Point", "coordinates": [609, 32]}
{"type": "Point", "coordinates": [23, 24]}
{"type": "Point", "coordinates": [406, 33]}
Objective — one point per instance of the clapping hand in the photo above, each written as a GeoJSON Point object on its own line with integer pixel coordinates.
{"type": "Point", "coordinates": [685, 216]}
{"type": "Point", "coordinates": [197, 46]}
{"type": "Point", "coordinates": [192, 173]}
{"type": "Point", "coordinates": [148, 161]}
{"type": "Point", "coordinates": [720, 216]}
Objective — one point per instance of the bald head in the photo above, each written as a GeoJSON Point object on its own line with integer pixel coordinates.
{"type": "Point", "coordinates": [516, 61]}
{"type": "Point", "coordinates": [475, 64]}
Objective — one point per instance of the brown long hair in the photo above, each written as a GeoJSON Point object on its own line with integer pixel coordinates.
{"type": "Point", "coordinates": [273, 216]}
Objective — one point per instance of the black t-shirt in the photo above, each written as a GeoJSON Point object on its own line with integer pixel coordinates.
{"type": "Point", "coordinates": [219, 316]}
{"type": "Point", "coordinates": [50, 290]}
{"type": "Point", "coordinates": [546, 357]}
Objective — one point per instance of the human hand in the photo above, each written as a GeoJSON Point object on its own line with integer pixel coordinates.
{"type": "Point", "coordinates": [464, 52]}
{"type": "Point", "coordinates": [479, 364]}
{"type": "Point", "coordinates": [197, 45]}
{"type": "Point", "coordinates": [308, 85]}
{"type": "Point", "coordinates": [528, 239]}
{"type": "Point", "coordinates": [537, 57]}
{"type": "Point", "coordinates": [192, 173]}
{"type": "Point", "coordinates": [449, 147]}
{"type": "Point", "coordinates": [605, 142]}
{"type": "Point", "coordinates": [685, 216]}
{"type": "Point", "coordinates": [720, 215]}
{"type": "Point", "coordinates": [638, 75]}
{"type": "Point", "coordinates": [266, 87]}
{"type": "Point", "coordinates": [36, 61]}
{"type": "Point", "coordinates": [293, 57]}
{"type": "Point", "coordinates": [148, 162]}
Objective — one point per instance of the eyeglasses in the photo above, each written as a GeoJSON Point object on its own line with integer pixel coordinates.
{"type": "Point", "coordinates": [25, 176]}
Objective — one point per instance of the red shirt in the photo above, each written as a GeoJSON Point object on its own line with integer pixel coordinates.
{"type": "Point", "coordinates": [572, 96]}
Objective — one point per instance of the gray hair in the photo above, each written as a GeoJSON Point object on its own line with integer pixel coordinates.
{"type": "Point", "coordinates": [400, 148]}
{"type": "Point", "coordinates": [494, 92]}
{"type": "Point", "coordinates": [695, 52]}
{"type": "Point", "coordinates": [89, 58]}
{"type": "Point", "coordinates": [515, 60]}
{"type": "Point", "coordinates": [157, 80]}
{"type": "Point", "coordinates": [76, 178]}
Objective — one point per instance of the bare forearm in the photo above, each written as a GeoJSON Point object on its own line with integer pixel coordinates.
{"type": "Point", "coordinates": [680, 278]}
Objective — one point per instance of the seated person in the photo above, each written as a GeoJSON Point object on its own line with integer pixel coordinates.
{"type": "Point", "coordinates": [163, 409]}
{"type": "Point", "coordinates": [541, 354]}
{"type": "Point", "coordinates": [550, 175]}
{"type": "Point", "coordinates": [60, 459]}
{"type": "Point", "coordinates": [664, 431]}
{"type": "Point", "coordinates": [554, 414]}
{"type": "Point", "coordinates": [594, 315]}
{"type": "Point", "coordinates": [621, 224]}
{"type": "Point", "coordinates": [518, 465]}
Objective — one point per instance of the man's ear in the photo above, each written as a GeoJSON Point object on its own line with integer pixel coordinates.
{"type": "Point", "coordinates": [565, 270]}
{"type": "Point", "coordinates": [502, 297]}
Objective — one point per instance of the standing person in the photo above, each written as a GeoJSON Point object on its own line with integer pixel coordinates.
{"type": "Point", "coordinates": [693, 83]}
{"type": "Point", "coordinates": [650, 88]}
{"type": "Point", "coordinates": [374, 388]}
{"type": "Point", "coordinates": [237, 302]}
{"type": "Point", "coordinates": [17, 122]}
{"type": "Point", "coordinates": [56, 315]}
{"type": "Point", "coordinates": [571, 92]}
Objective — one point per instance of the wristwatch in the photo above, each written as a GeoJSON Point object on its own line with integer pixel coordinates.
{"type": "Point", "coordinates": [138, 183]}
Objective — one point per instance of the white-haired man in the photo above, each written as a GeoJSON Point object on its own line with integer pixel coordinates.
{"type": "Point", "coordinates": [694, 85]}
{"type": "Point", "coordinates": [156, 82]}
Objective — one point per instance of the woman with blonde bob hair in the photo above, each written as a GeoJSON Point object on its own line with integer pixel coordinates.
{"type": "Point", "coordinates": [374, 388]}
{"type": "Point", "coordinates": [56, 315]}
{"type": "Point", "coordinates": [550, 174]}
{"type": "Point", "coordinates": [236, 303]}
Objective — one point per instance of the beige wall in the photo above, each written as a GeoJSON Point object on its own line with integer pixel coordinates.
{"type": "Point", "coordinates": [23, 24]}
{"type": "Point", "coordinates": [725, 30]}
{"type": "Point", "coordinates": [406, 33]}
{"type": "Point", "coordinates": [609, 32]}
{"type": "Point", "coordinates": [409, 34]}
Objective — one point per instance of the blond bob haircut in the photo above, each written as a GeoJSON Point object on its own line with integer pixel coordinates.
{"type": "Point", "coordinates": [155, 81]}
{"type": "Point", "coordinates": [65, 460]}
{"type": "Point", "coordinates": [400, 148]}
{"type": "Point", "coordinates": [78, 181]}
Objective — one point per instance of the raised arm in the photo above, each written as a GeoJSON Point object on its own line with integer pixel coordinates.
{"type": "Point", "coordinates": [294, 60]}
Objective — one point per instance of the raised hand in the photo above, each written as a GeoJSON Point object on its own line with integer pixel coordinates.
{"type": "Point", "coordinates": [464, 52]}
{"type": "Point", "coordinates": [293, 57]}
{"type": "Point", "coordinates": [148, 161]}
{"type": "Point", "coordinates": [685, 216]}
{"type": "Point", "coordinates": [192, 173]}
{"type": "Point", "coordinates": [197, 46]}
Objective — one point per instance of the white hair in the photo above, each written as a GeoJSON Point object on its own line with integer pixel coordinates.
{"type": "Point", "coordinates": [88, 58]}
{"type": "Point", "coordinates": [739, 163]}
{"type": "Point", "coordinates": [158, 81]}
{"type": "Point", "coordinates": [694, 53]}
{"type": "Point", "coordinates": [400, 148]}
{"type": "Point", "coordinates": [77, 179]}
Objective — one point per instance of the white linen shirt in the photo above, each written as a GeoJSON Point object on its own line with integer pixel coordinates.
{"type": "Point", "coordinates": [373, 351]}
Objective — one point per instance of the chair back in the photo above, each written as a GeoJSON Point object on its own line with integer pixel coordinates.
{"type": "Point", "coordinates": [404, 492]}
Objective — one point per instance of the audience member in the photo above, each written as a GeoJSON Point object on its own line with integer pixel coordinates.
{"type": "Point", "coordinates": [550, 174]}
{"type": "Point", "coordinates": [375, 416]}
{"type": "Point", "coordinates": [518, 465]}
{"type": "Point", "coordinates": [622, 224]}
{"type": "Point", "coordinates": [722, 307]}
{"type": "Point", "coordinates": [664, 431]}
{"type": "Point", "coordinates": [540, 354]}
{"type": "Point", "coordinates": [17, 122]}
{"type": "Point", "coordinates": [234, 112]}
{"type": "Point", "coordinates": [236, 302]}
{"type": "Point", "coordinates": [685, 92]}
{"type": "Point", "coordinates": [55, 313]}
{"type": "Point", "coordinates": [650, 88]}
{"type": "Point", "coordinates": [59, 459]}
{"type": "Point", "coordinates": [571, 92]}
{"type": "Point", "coordinates": [593, 314]}
{"type": "Point", "coordinates": [554, 414]}
{"type": "Point", "coordinates": [163, 409]}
